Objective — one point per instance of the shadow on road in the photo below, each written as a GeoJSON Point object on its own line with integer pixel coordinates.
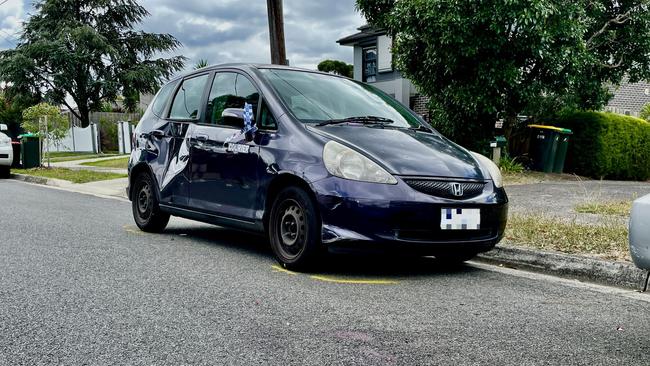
{"type": "Point", "coordinates": [356, 265]}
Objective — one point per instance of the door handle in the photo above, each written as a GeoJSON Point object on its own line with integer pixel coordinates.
{"type": "Point", "coordinates": [201, 138]}
{"type": "Point", "coordinates": [157, 134]}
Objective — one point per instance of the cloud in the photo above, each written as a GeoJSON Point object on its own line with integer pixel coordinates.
{"type": "Point", "coordinates": [11, 18]}
{"type": "Point", "coordinates": [232, 30]}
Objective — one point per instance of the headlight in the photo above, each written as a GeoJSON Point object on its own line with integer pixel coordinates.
{"type": "Point", "coordinates": [344, 162]}
{"type": "Point", "coordinates": [4, 140]}
{"type": "Point", "coordinates": [492, 168]}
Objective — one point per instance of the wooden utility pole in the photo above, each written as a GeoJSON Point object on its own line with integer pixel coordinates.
{"type": "Point", "coordinates": [276, 32]}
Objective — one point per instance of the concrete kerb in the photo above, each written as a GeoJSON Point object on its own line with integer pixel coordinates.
{"type": "Point", "coordinates": [41, 180]}
{"type": "Point", "coordinates": [617, 274]}
{"type": "Point", "coordinates": [97, 189]}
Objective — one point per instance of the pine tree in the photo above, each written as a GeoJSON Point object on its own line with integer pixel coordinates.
{"type": "Point", "coordinates": [89, 50]}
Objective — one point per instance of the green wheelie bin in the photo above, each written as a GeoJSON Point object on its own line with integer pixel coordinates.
{"type": "Point", "coordinates": [562, 147]}
{"type": "Point", "coordinates": [543, 147]}
{"type": "Point", "coordinates": [30, 151]}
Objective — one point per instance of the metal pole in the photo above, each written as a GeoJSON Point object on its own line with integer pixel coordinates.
{"type": "Point", "coordinates": [47, 145]}
{"type": "Point", "coordinates": [40, 142]}
{"type": "Point", "coordinates": [276, 32]}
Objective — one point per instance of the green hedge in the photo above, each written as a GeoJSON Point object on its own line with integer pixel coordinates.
{"type": "Point", "coordinates": [608, 145]}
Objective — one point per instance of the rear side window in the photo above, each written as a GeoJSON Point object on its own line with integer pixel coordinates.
{"type": "Point", "coordinates": [230, 90]}
{"type": "Point", "coordinates": [188, 98]}
{"type": "Point", "coordinates": [158, 105]}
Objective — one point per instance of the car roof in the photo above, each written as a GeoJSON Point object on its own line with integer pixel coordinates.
{"type": "Point", "coordinates": [248, 67]}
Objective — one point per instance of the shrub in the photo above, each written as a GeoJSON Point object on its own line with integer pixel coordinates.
{"type": "Point", "coordinates": [608, 145]}
{"type": "Point", "coordinates": [108, 135]}
{"type": "Point", "coordinates": [509, 165]}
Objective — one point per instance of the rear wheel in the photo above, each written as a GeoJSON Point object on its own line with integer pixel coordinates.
{"type": "Point", "coordinates": [146, 210]}
{"type": "Point", "coordinates": [294, 229]}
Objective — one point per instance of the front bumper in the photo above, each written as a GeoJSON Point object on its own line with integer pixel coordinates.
{"type": "Point", "coordinates": [379, 217]}
{"type": "Point", "coordinates": [6, 155]}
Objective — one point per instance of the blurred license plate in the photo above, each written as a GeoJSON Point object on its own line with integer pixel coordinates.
{"type": "Point", "coordinates": [460, 219]}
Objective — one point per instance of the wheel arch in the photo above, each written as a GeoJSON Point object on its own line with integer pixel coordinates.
{"type": "Point", "coordinates": [280, 182]}
{"type": "Point", "coordinates": [138, 169]}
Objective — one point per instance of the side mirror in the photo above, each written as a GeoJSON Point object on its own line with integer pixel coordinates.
{"type": "Point", "coordinates": [234, 114]}
{"type": "Point", "coordinates": [3, 127]}
{"type": "Point", "coordinates": [235, 117]}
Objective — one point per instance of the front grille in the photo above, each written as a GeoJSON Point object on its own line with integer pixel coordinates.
{"type": "Point", "coordinates": [446, 189]}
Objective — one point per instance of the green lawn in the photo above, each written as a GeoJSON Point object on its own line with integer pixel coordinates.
{"type": "Point", "coordinates": [118, 163]}
{"type": "Point", "coordinates": [74, 176]}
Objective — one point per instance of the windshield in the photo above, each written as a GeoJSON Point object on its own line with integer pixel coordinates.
{"type": "Point", "coordinates": [317, 98]}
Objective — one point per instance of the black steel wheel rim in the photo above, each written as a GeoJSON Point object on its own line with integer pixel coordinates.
{"type": "Point", "coordinates": [292, 228]}
{"type": "Point", "coordinates": [144, 201]}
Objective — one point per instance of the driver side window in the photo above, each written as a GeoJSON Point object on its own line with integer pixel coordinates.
{"type": "Point", "coordinates": [230, 90]}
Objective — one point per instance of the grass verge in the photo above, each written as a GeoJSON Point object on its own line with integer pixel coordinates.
{"type": "Point", "coordinates": [57, 157]}
{"type": "Point", "coordinates": [118, 163]}
{"type": "Point", "coordinates": [532, 177]}
{"type": "Point", "coordinates": [74, 176]}
{"type": "Point", "coordinates": [617, 208]}
{"type": "Point", "coordinates": [608, 241]}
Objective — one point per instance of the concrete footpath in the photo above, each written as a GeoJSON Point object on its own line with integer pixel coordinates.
{"type": "Point", "coordinates": [582, 268]}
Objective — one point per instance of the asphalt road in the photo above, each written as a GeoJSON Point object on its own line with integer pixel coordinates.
{"type": "Point", "coordinates": [79, 284]}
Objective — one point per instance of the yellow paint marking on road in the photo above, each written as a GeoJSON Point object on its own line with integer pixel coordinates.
{"type": "Point", "coordinates": [354, 282]}
{"type": "Point", "coordinates": [277, 268]}
{"type": "Point", "coordinates": [132, 229]}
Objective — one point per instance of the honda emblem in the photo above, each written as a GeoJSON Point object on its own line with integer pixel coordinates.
{"type": "Point", "coordinates": [456, 189]}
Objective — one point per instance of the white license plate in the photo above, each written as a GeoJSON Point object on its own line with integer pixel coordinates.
{"type": "Point", "coordinates": [460, 219]}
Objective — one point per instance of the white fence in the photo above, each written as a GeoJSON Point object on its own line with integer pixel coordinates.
{"type": "Point", "coordinates": [79, 139]}
{"type": "Point", "coordinates": [88, 139]}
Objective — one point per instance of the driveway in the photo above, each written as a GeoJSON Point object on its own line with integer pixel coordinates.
{"type": "Point", "coordinates": [559, 199]}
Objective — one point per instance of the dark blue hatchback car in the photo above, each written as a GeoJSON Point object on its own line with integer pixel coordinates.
{"type": "Point", "coordinates": [317, 161]}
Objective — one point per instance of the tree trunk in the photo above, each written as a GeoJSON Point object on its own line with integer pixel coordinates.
{"type": "Point", "coordinates": [84, 115]}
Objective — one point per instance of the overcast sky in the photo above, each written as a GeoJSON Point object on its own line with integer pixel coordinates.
{"type": "Point", "coordinates": [231, 30]}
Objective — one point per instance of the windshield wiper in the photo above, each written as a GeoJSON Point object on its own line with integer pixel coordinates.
{"type": "Point", "coordinates": [421, 128]}
{"type": "Point", "coordinates": [367, 120]}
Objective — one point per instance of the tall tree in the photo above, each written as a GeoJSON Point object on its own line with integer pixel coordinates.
{"type": "Point", "coordinates": [90, 51]}
{"type": "Point", "coordinates": [336, 67]}
{"type": "Point", "coordinates": [480, 59]}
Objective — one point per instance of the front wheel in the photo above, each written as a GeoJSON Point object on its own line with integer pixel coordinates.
{"type": "Point", "coordinates": [144, 203]}
{"type": "Point", "coordinates": [294, 229]}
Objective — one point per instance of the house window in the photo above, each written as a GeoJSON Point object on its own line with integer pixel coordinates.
{"type": "Point", "coordinates": [370, 64]}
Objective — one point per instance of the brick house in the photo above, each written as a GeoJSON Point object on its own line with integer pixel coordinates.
{"type": "Point", "coordinates": [373, 64]}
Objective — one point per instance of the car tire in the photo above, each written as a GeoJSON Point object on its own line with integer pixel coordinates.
{"type": "Point", "coordinates": [144, 203]}
{"type": "Point", "coordinates": [294, 230]}
{"type": "Point", "coordinates": [5, 172]}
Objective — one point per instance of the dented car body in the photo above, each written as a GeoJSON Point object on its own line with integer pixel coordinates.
{"type": "Point", "coordinates": [316, 161]}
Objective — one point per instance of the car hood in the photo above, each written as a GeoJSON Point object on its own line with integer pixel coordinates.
{"type": "Point", "coordinates": [407, 152]}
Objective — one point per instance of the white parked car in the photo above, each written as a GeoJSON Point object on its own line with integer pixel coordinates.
{"type": "Point", "coordinates": [6, 153]}
{"type": "Point", "coordinates": [640, 232]}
